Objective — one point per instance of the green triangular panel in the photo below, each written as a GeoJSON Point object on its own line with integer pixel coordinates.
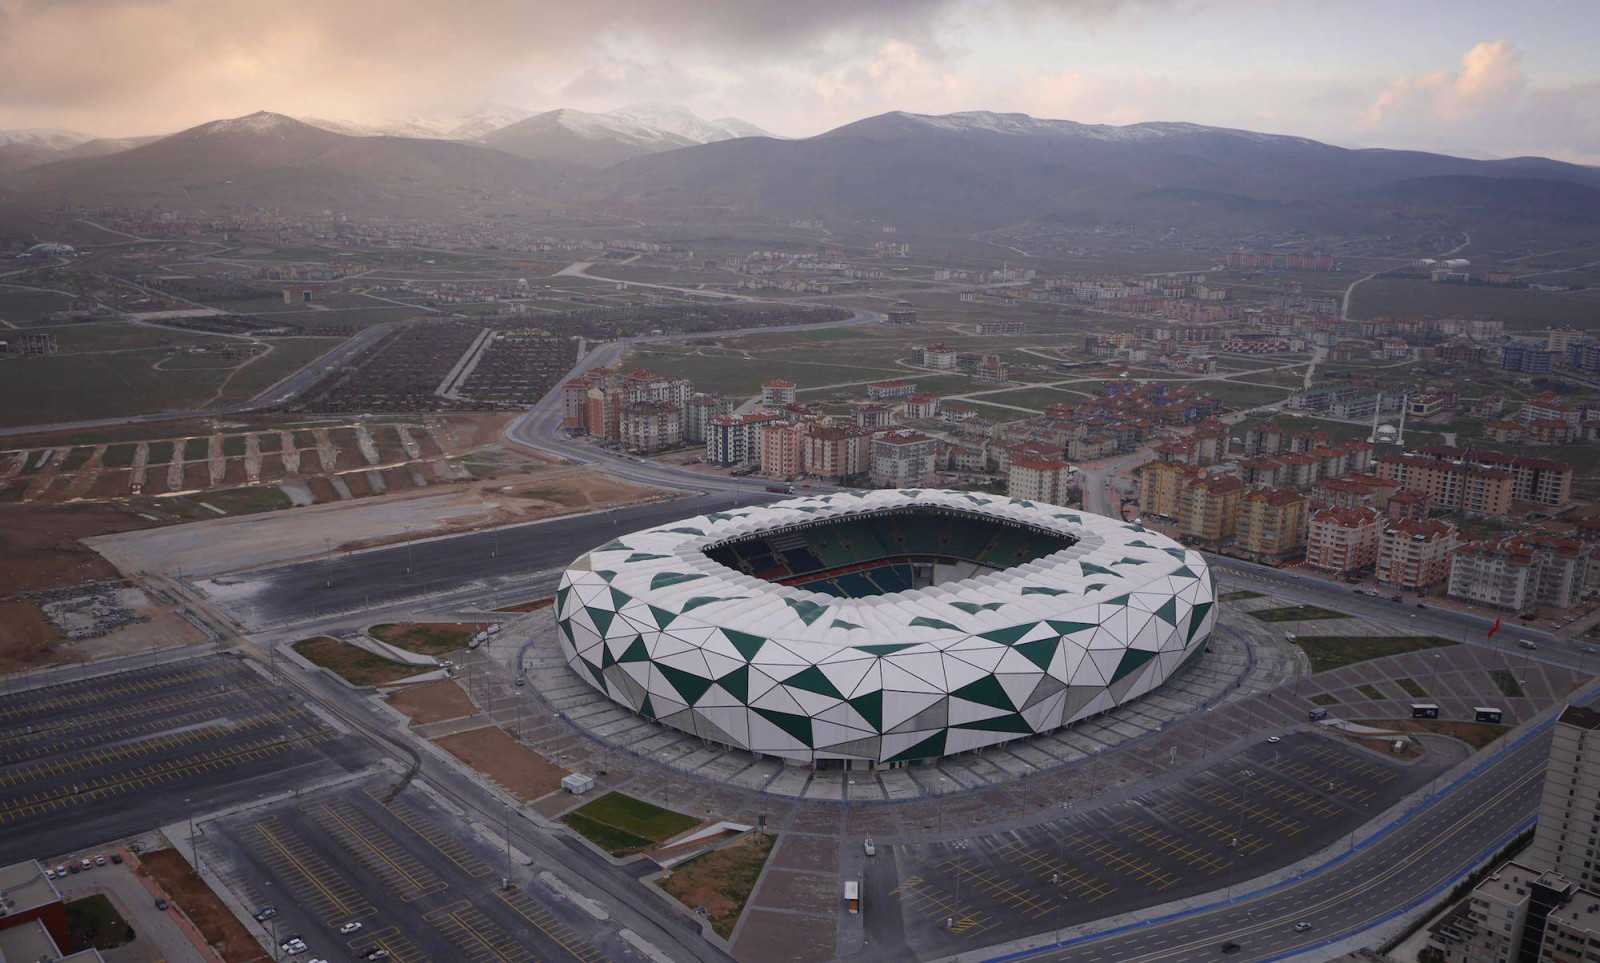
{"type": "Point", "coordinates": [1168, 612]}
{"type": "Point", "coordinates": [663, 579]}
{"type": "Point", "coordinates": [561, 597]}
{"type": "Point", "coordinates": [646, 709]}
{"type": "Point", "coordinates": [1198, 616]}
{"type": "Point", "coordinates": [842, 624]}
{"type": "Point", "coordinates": [615, 545]}
{"type": "Point", "coordinates": [602, 617]}
{"type": "Point", "coordinates": [1184, 571]}
{"type": "Point", "coordinates": [1043, 590]}
{"type": "Point", "coordinates": [686, 531]}
{"type": "Point", "coordinates": [1129, 561]}
{"type": "Point", "coordinates": [1090, 568]}
{"type": "Point", "coordinates": [1009, 635]}
{"type": "Point", "coordinates": [807, 611]}
{"type": "Point", "coordinates": [635, 652]}
{"type": "Point", "coordinates": [700, 600]}
{"type": "Point", "coordinates": [606, 661]}
{"type": "Point", "coordinates": [884, 648]}
{"type": "Point", "coordinates": [870, 706]}
{"type": "Point", "coordinates": [985, 691]}
{"type": "Point", "coordinates": [644, 557]}
{"type": "Point", "coordinates": [737, 683]}
{"type": "Point", "coordinates": [797, 726]}
{"type": "Point", "coordinates": [606, 575]}
{"type": "Point", "coordinates": [1067, 628]}
{"type": "Point", "coordinates": [662, 616]}
{"type": "Point", "coordinates": [594, 670]}
{"type": "Point", "coordinates": [1131, 660]}
{"type": "Point", "coordinates": [687, 684]}
{"type": "Point", "coordinates": [929, 748]}
{"type": "Point", "coordinates": [1119, 600]}
{"type": "Point", "coordinates": [973, 608]}
{"type": "Point", "coordinates": [1040, 651]}
{"type": "Point", "coordinates": [720, 516]}
{"type": "Point", "coordinates": [747, 644]}
{"type": "Point", "coordinates": [812, 679]}
{"type": "Point", "coordinates": [619, 598]}
{"type": "Point", "coordinates": [926, 622]}
{"type": "Point", "coordinates": [1010, 723]}
{"type": "Point", "coordinates": [1177, 553]}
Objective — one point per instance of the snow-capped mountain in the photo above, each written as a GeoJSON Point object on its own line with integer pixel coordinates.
{"type": "Point", "coordinates": [680, 120]}
{"type": "Point", "coordinates": [486, 120]}
{"type": "Point", "coordinates": [49, 138]}
{"type": "Point", "coordinates": [582, 139]}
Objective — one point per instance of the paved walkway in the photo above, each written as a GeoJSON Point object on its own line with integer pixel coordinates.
{"type": "Point", "coordinates": [159, 937]}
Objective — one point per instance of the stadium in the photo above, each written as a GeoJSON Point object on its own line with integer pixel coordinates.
{"type": "Point", "coordinates": [861, 629]}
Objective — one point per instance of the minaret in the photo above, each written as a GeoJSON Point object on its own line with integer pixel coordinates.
{"type": "Point", "coordinates": [1405, 403]}
{"type": "Point", "coordinates": [1377, 410]}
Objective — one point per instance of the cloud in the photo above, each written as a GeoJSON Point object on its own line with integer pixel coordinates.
{"type": "Point", "coordinates": [1489, 103]}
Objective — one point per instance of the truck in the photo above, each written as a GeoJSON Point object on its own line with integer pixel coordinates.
{"type": "Point", "coordinates": [1424, 710]}
{"type": "Point", "coordinates": [1486, 714]}
{"type": "Point", "coordinates": [781, 489]}
{"type": "Point", "coordinates": [852, 896]}
{"type": "Point", "coordinates": [1317, 715]}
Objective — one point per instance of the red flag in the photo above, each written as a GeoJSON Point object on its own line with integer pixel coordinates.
{"type": "Point", "coordinates": [1493, 630]}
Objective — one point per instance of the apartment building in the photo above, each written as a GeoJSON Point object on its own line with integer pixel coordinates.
{"type": "Point", "coordinates": [890, 390]}
{"type": "Point", "coordinates": [1567, 837]}
{"type": "Point", "coordinates": [1416, 555]}
{"type": "Point", "coordinates": [700, 412]}
{"type": "Point", "coordinates": [1038, 478]}
{"type": "Point", "coordinates": [902, 459]}
{"type": "Point", "coordinates": [922, 406]}
{"type": "Point", "coordinates": [1471, 489]}
{"type": "Point", "coordinates": [1343, 540]}
{"type": "Point", "coordinates": [777, 393]}
{"type": "Point", "coordinates": [1208, 508]}
{"type": "Point", "coordinates": [781, 452]}
{"type": "Point", "coordinates": [733, 440]}
{"type": "Point", "coordinates": [651, 426]}
{"type": "Point", "coordinates": [1520, 572]}
{"type": "Point", "coordinates": [1160, 483]}
{"type": "Point", "coordinates": [1271, 524]}
{"type": "Point", "coordinates": [835, 451]}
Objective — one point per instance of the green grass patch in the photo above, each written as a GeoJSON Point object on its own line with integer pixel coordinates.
{"type": "Point", "coordinates": [720, 882]}
{"type": "Point", "coordinates": [1238, 596]}
{"type": "Point", "coordinates": [196, 449]}
{"type": "Point", "coordinates": [1412, 688]}
{"type": "Point", "coordinates": [1372, 692]}
{"type": "Point", "coordinates": [1295, 613]}
{"type": "Point", "coordinates": [118, 456]}
{"type": "Point", "coordinates": [1335, 651]}
{"type": "Point", "coordinates": [356, 666]}
{"type": "Point", "coordinates": [621, 824]}
{"type": "Point", "coordinates": [1507, 683]}
{"type": "Point", "coordinates": [93, 922]}
{"type": "Point", "coordinates": [160, 453]}
{"type": "Point", "coordinates": [424, 638]}
{"type": "Point", "coordinates": [77, 458]}
{"type": "Point", "coordinates": [1324, 699]}
{"type": "Point", "coordinates": [233, 446]}
{"type": "Point", "coordinates": [232, 501]}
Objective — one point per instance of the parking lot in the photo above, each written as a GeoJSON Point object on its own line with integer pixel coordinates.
{"type": "Point", "coordinates": [1266, 807]}
{"type": "Point", "coordinates": [101, 758]}
{"type": "Point", "coordinates": [422, 883]}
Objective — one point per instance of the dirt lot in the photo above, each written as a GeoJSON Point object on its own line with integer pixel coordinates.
{"type": "Point", "coordinates": [721, 880]}
{"type": "Point", "coordinates": [432, 702]}
{"type": "Point", "coordinates": [27, 638]}
{"type": "Point", "coordinates": [219, 926]}
{"type": "Point", "coordinates": [39, 546]}
{"type": "Point", "coordinates": [533, 606]}
{"type": "Point", "coordinates": [519, 771]}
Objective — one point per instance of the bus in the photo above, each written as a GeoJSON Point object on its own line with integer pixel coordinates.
{"type": "Point", "coordinates": [1486, 714]}
{"type": "Point", "coordinates": [1424, 710]}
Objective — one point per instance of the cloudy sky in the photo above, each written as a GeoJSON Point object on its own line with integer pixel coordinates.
{"type": "Point", "coordinates": [1474, 77]}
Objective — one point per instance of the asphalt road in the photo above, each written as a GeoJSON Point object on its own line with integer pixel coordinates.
{"type": "Point", "coordinates": [1403, 866]}
{"type": "Point", "coordinates": [364, 580]}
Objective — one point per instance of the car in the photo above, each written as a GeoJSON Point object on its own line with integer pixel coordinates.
{"type": "Point", "coordinates": [1555, 625]}
{"type": "Point", "coordinates": [99, 860]}
{"type": "Point", "coordinates": [521, 681]}
{"type": "Point", "coordinates": [1589, 650]}
{"type": "Point", "coordinates": [1528, 644]}
{"type": "Point", "coordinates": [349, 928]}
{"type": "Point", "coordinates": [61, 870]}
{"type": "Point", "coordinates": [1372, 593]}
{"type": "Point", "coordinates": [1274, 739]}
{"type": "Point", "coordinates": [1230, 948]}
{"type": "Point", "coordinates": [374, 953]}
{"type": "Point", "coordinates": [265, 913]}
{"type": "Point", "coordinates": [1569, 619]}
{"type": "Point", "coordinates": [1301, 926]}
{"type": "Point", "coordinates": [1396, 598]}
{"type": "Point", "coordinates": [1527, 616]}
{"type": "Point", "coordinates": [75, 868]}
{"type": "Point", "coordinates": [49, 874]}
{"type": "Point", "coordinates": [86, 864]}
{"type": "Point", "coordinates": [296, 949]}
{"type": "Point", "coordinates": [1421, 606]}
{"type": "Point", "coordinates": [116, 859]}
{"type": "Point", "coordinates": [1358, 591]}
{"type": "Point", "coordinates": [161, 904]}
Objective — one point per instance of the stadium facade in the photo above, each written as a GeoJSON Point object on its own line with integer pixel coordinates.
{"type": "Point", "coordinates": [879, 628]}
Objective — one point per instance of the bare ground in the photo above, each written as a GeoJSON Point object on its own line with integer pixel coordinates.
{"type": "Point", "coordinates": [432, 702]}
{"type": "Point", "coordinates": [520, 771]}
{"type": "Point", "coordinates": [215, 921]}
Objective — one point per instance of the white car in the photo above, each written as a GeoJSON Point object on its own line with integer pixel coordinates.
{"type": "Point", "coordinates": [1274, 739]}
{"type": "Point", "coordinates": [349, 928]}
{"type": "Point", "coordinates": [1301, 926]}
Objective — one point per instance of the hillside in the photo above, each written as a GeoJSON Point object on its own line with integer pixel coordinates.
{"type": "Point", "coordinates": [270, 159]}
{"type": "Point", "coordinates": [983, 170]}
